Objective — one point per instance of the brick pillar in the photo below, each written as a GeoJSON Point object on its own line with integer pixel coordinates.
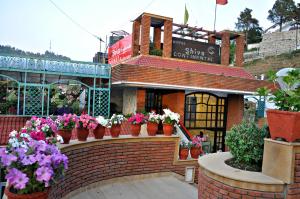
{"type": "Point", "coordinates": [145, 37]}
{"type": "Point", "coordinates": [157, 37]}
{"type": "Point", "coordinates": [140, 100]}
{"type": "Point", "coordinates": [239, 50]}
{"type": "Point", "coordinates": [135, 38]}
{"type": "Point", "coordinates": [235, 110]}
{"type": "Point", "coordinates": [167, 51]}
{"type": "Point", "coordinates": [211, 39]}
{"type": "Point", "coordinates": [225, 49]}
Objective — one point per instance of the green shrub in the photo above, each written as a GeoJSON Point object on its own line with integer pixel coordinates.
{"type": "Point", "coordinates": [246, 143]}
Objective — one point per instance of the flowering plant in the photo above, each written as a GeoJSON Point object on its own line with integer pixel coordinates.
{"type": "Point", "coordinates": [86, 121]}
{"type": "Point", "coordinates": [196, 142]}
{"type": "Point", "coordinates": [31, 165]}
{"type": "Point", "coordinates": [116, 119]}
{"type": "Point", "coordinates": [185, 145]}
{"type": "Point", "coordinates": [45, 125]}
{"type": "Point", "coordinates": [170, 117]}
{"type": "Point", "coordinates": [154, 118]}
{"type": "Point", "coordinates": [138, 118]}
{"type": "Point", "coordinates": [66, 121]}
{"type": "Point", "coordinates": [102, 121]}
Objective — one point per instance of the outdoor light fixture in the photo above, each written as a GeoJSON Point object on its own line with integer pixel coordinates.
{"type": "Point", "coordinates": [189, 174]}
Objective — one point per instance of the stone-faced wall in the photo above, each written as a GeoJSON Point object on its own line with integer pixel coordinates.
{"type": "Point", "coordinates": [129, 100]}
{"type": "Point", "coordinates": [98, 160]}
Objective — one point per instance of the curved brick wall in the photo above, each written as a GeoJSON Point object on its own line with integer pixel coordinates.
{"type": "Point", "coordinates": [211, 188]}
{"type": "Point", "coordinates": [97, 160]}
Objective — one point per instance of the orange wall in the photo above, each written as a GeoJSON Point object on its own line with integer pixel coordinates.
{"type": "Point", "coordinates": [175, 102]}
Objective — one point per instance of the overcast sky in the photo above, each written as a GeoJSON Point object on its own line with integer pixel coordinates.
{"type": "Point", "coordinates": [31, 24]}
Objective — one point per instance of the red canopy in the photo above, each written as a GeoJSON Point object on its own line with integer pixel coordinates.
{"type": "Point", "coordinates": [222, 2]}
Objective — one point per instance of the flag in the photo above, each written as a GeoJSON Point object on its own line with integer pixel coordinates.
{"type": "Point", "coordinates": [186, 15]}
{"type": "Point", "coordinates": [221, 2]}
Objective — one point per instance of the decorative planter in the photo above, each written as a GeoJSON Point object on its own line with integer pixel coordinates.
{"type": "Point", "coordinates": [195, 152]}
{"type": "Point", "coordinates": [66, 135]}
{"type": "Point", "coordinates": [99, 132]}
{"type": "Point", "coordinates": [284, 124]}
{"type": "Point", "coordinates": [183, 153]}
{"type": "Point", "coordinates": [82, 134]}
{"type": "Point", "coordinates": [115, 130]}
{"type": "Point", "coordinates": [135, 129]}
{"type": "Point", "coordinates": [37, 195]}
{"type": "Point", "coordinates": [168, 129]}
{"type": "Point", "coordinates": [152, 128]}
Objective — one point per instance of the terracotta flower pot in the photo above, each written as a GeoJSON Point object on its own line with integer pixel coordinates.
{"type": "Point", "coordinates": [82, 134]}
{"type": "Point", "coordinates": [135, 129]}
{"type": "Point", "coordinates": [152, 128]}
{"type": "Point", "coordinates": [168, 129]}
{"type": "Point", "coordinates": [195, 152]}
{"type": "Point", "coordinates": [183, 153]}
{"type": "Point", "coordinates": [66, 135]}
{"type": "Point", "coordinates": [284, 124]}
{"type": "Point", "coordinates": [115, 130]}
{"type": "Point", "coordinates": [36, 195]}
{"type": "Point", "coordinates": [99, 132]}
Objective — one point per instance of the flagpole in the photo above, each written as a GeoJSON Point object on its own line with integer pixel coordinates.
{"type": "Point", "coordinates": [215, 16]}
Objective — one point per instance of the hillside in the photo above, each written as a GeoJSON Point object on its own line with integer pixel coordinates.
{"type": "Point", "coordinates": [262, 66]}
{"type": "Point", "coordinates": [8, 50]}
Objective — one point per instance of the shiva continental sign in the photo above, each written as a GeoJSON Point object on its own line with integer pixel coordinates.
{"type": "Point", "coordinates": [195, 50]}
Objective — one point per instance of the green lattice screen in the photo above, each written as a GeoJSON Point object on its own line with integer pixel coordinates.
{"type": "Point", "coordinates": [35, 100]}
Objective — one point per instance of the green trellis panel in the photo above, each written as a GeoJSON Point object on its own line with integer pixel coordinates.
{"type": "Point", "coordinates": [102, 102]}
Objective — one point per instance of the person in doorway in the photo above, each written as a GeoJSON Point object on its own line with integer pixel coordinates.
{"type": "Point", "coordinates": [202, 137]}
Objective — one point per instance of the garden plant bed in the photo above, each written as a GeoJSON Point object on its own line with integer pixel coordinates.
{"type": "Point", "coordinates": [233, 163]}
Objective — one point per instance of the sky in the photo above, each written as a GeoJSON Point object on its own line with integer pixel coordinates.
{"type": "Point", "coordinates": [30, 25]}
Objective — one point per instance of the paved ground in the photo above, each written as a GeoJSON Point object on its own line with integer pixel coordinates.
{"type": "Point", "coordinates": [151, 188]}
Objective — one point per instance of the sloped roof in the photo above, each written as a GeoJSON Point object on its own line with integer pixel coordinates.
{"type": "Point", "coordinates": [192, 66]}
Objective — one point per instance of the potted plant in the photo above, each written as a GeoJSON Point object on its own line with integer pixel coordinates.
{"type": "Point", "coordinates": [136, 121]}
{"type": "Point", "coordinates": [152, 124]}
{"type": "Point", "coordinates": [66, 124]}
{"type": "Point", "coordinates": [285, 122]}
{"type": "Point", "coordinates": [169, 119]}
{"type": "Point", "coordinates": [184, 150]}
{"type": "Point", "coordinates": [99, 131]}
{"type": "Point", "coordinates": [196, 147]}
{"type": "Point", "coordinates": [114, 125]}
{"type": "Point", "coordinates": [83, 125]}
{"type": "Point", "coordinates": [32, 166]}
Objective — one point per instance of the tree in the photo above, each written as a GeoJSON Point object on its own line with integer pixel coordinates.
{"type": "Point", "coordinates": [249, 26]}
{"type": "Point", "coordinates": [282, 12]}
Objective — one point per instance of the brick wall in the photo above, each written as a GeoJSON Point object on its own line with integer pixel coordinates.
{"type": "Point", "coordinates": [225, 48]}
{"type": "Point", "coordinates": [185, 78]}
{"type": "Point", "coordinates": [102, 160]}
{"type": "Point", "coordinates": [167, 49]}
{"type": "Point", "coordinates": [235, 110]}
{"type": "Point", "coordinates": [145, 34]}
{"type": "Point", "coordinates": [293, 190]}
{"type": "Point", "coordinates": [8, 124]}
{"type": "Point", "coordinates": [210, 188]}
{"type": "Point", "coordinates": [239, 51]}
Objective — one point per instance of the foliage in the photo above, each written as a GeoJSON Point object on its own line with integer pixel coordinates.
{"type": "Point", "coordinates": [246, 142]}
{"type": "Point", "coordinates": [170, 117]}
{"type": "Point", "coordinates": [66, 121]}
{"type": "Point", "coordinates": [282, 12]}
{"type": "Point", "coordinates": [14, 51]}
{"type": "Point", "coordinates": [31, 165]}
{"type": "Point", "coordinates": [286, 99]}
{"type": "Point", "coordinates": [154, 118]}
{"type": "Point", "coordinates": [232, 52]}
{"type": "Point", "coordinates": [156, 52]}
{"type": "Point", "coordinates": [87, 122]}
{"type": "Point", "coordinates": [249, 26]}
{"type": "Point", "coordinates": [137, 118]}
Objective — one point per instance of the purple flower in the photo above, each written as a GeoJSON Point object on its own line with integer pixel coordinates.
{"type": "Point", "coordinates": [21, 152]}
{"type": "Point", "coordinates": [60, 159]}
{"type": "Point", "coordinates": [28, 160]}
{"type": "Point", "coordinates": [2, 151]}
{"type": "Point", "coordinates": [44, 160]}
{"type": "Point", "coordinates": [7, 159]}
{"type": "Point", "coordinates": [44, 174]}
{"type": "Point", "coordinates": [17, 178]}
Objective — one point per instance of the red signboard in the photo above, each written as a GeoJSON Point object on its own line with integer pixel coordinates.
{"type": "Point", "coordinates": [120, 51]}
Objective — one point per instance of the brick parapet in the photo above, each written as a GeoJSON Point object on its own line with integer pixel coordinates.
{"type": "Point", "coordinates": [95, 161]}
